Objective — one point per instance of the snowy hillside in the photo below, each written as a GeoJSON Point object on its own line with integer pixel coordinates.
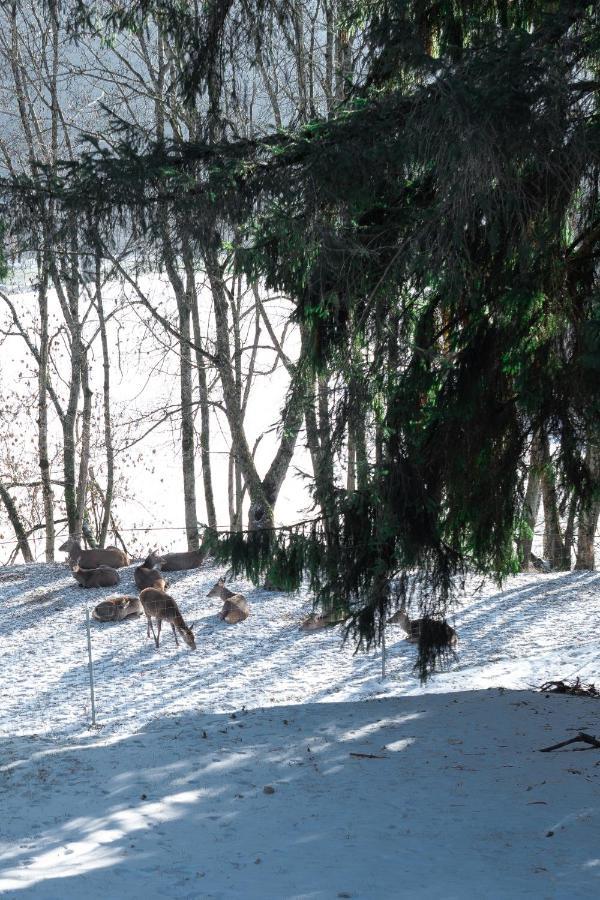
{"type": "Point", "coordinates": [445, 797]}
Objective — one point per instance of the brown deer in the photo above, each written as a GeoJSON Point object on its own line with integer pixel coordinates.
{"type": "Point", "coordinates": [115, 609]}
{"type": "Point", "coordinates": [91, 559]}
{"type": "Point", "coordinates": [103, 576]}
{"type": "Point", "coordinates": [219, 590]}
{"type": "Point", "coordinates": [314, 621]}
{"type": "Point", "coordinates": [235, 606]}
{"type": "Point", "coordinates": [413, 627]}
{"type": "Point", "coordinates": [176, 562]}
{"type": "Point", "coordinates": [161, 606]}
{"type": "Point", "coordinates": [149, 574]}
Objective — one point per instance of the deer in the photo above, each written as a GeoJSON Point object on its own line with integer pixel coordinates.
{"type": "Point", "coordinates": [413, 627]}
{"type": "Point", "coordinates": [314, 622]}
{"type": "Point", "coordinates": [149, 574]}
{"type": "Point", "coordinates": [102, 576]}
{"type": "Point", "coordinates": [176, 562]}
{"type": "Point", "coordinates": [235, 606]}
{"type": "Point", "coordinates": [219, 590]}
{"type": "Point", "coordinates": [115, 609]}
{"type": "Point", "coordinates": [91, 559]}
{"type": "Point", "coordinates": [161, 606]}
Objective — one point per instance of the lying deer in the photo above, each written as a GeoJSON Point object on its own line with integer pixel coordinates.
{"type": "Point", "coordinates": [115, 609]}
{"type": "Point", "coordinates": [161, 606]}
{"type": "Point", "coordinates": [149, 574]}
{"type": "Point", "coordinates": [91, 559]}
{"type": "Point", "coordinates": [314, 621]}
{"type": "Point", "coordinates": [175, 562]}
{"type": "Point", "coordinates": [235, 606]}
{"type": "Point", "coordinates": [219, 590]}
{"type": "Point", "coordinates": [413, 627]}
{"type": "Point", "coordinates": [103, 576]}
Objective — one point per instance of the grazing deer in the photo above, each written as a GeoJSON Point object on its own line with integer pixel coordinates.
{"type": "Point", "coordinates": [115, 609]}
{"type": "Point", "coordinates": [413, 627]}
{"type": "Point", "coordinates": [103, 576]}
{"type": "Point", "coordinates": [235, 606]}
{"type": "Point", "coordinates": [314, 622]}
{"type": "Point", "coordinates": [161, 606]}
{"type": "Point", "coordinates": [149, 574]}
{"type": "Point", "coordinates": [176, 562]}
{"type": "Point", "coordinates": [91, 559]}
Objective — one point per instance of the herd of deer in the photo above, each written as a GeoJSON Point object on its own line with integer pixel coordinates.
{"type": "Point", "coordinates": [99, 568]}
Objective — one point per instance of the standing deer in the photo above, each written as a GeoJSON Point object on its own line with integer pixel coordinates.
{"type": "Point", "coordinates": [115, 609]}
{"type": "Point", "coordinates": [235, 607]}
{"type": "Point", "coordinates": [161, 606]}
{"type": "Point", "coordinates": [91, 559]}
{"type": "Point", "coordinates": [149, 574]}
{"type": "Point", "coordinates": [103, 576]}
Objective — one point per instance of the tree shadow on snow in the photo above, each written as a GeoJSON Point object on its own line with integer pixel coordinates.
{"type": "Point", "coordinates": [359, 798]}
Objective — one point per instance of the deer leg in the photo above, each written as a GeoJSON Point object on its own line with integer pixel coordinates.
{"type": "Point", "coordinates": [157, 637]}
{"type": "Point", "coordinates": [175, 633]}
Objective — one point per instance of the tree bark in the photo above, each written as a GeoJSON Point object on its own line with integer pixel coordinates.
{"type": "Point", "coordinates": [84, 453]}
{"type": "Point", "coordinates": [43, 454]}
{"type": "Point", "coordinates": [589, 512]}
{"type": "Point", "coordinates": [106, 400]}
{"type": "Point", "coordinates": [554, 546]}
{"type": "Point", "coordinates": [209, 500]}
{"type": "Point", "coordinates": [15, 521]}
{"type": "Point", "coordinates": [531, 504]}
{"type": "Point", "coordinates": [182, 296]}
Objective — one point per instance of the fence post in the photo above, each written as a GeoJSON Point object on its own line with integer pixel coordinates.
{"type": "Point", "coordinates": [91, 664]}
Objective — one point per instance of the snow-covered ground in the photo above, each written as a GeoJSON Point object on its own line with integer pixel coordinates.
{"type": "Point", "coordinates": [166, 797]}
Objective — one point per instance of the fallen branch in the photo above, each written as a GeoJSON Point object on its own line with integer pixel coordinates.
{"type": "Point", "coordinates": [584, 738]}
{"type": "Point", "coordinates": [575, 688]}
{"type": "Point", "coordinates": [369, 756]}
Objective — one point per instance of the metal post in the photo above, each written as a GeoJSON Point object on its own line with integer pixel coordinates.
{"type": "Point", "coordinates": [91, 664]}
{"type": "Point", "coordinates": [383, 654]}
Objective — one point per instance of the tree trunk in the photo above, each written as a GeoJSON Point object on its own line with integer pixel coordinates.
{"type": "Point", "coordinates": [182, 296]}
{"type": "Point", "coordinates": [589, 513]}
{"type": "Point", "coordinates": [108, 441]}
{"type": "Point", "coordinates": [43, 455]}
{"type": "Point", "coordinates": [554, 547]}
{"type": "Point", "coordinates": [531, 504]}
{"type": "Point", "coordinates": [209, 500]}
{"type": "Point", "coordinates": [84, 456]}
{"type": "Point", "coordinates": [187, 430]}
{"type": "Point", "coordinates": [15, 521]}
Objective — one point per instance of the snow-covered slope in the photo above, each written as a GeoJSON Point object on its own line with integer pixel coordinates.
{"type": "Point", "coordinates": [448, 796]}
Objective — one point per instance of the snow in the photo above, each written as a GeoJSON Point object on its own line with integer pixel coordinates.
{"type": "Point", "coordinates": [448, 796]}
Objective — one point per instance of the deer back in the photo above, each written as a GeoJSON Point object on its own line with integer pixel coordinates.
{"type": "Point", "coordinates": [235, 609]}
{"type": "Point", "coordinates": [176, 562]}
{"type": "Point", "coordinates": [103, 576]}
{"type": "Point", "coordinates": [115, 609]}
{"type": "Point", "coordinates": [91, 559]}
{"type": "Point", "coordinates": [160, 605]}
{"type": "Point", "coordinates": [147, 578]}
